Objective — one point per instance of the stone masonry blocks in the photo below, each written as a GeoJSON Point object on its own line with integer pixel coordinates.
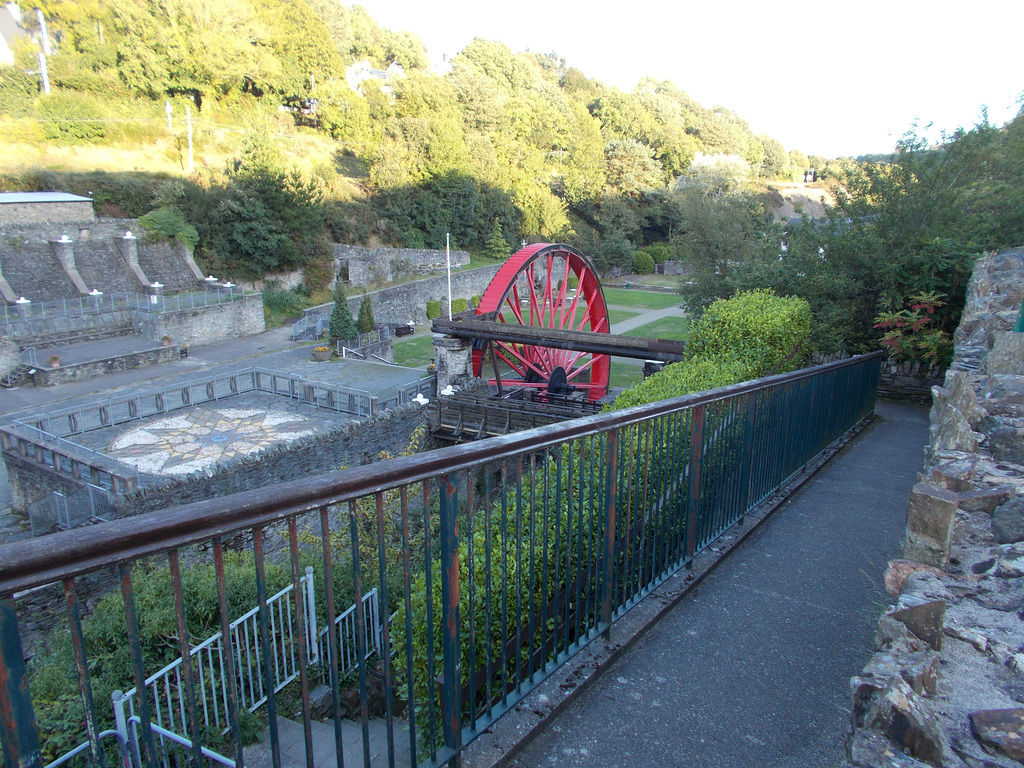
{"type": "Point", "coordinates": [930, 516]}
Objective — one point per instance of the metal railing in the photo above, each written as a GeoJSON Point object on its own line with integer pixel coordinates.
{"type": "Point", "coordinates": [113, 302]}
{"type": "Point", "coordinates": [500, 558]}
{"type": "Point", "coordinates": [363, 340]}
{"type": "Point", "coordinates": [403, 394]}
{"type": "Point", "coordinates": [89, 503]}
{"type": "Point", "coordinates": [309, 329]}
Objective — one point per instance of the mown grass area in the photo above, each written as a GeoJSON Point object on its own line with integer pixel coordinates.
{"type": "Point", "coordinates": [626, 297]}
{"type": "Point", "coordinates": [625, 374]}
{"type": "Point", "coordinates": [618, 315]}
{"type": "Point", "coordinates": [673, 328]}
{"type": "Point", "coordinates": [416, 351]}
{"type": "Point", "coordinates": [664, 281]}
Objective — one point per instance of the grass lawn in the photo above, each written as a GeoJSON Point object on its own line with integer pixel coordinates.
{"type": "Point", "coordinates": [673, 328]}
{"type": "Point", "coordinates": [626, 297]}
{"type": "Point", "coordinates": [624, 374]}
{"type": "Point", "coordinates": [618, 315]}
{"type": "Point", "coordinates": [666, 281]}
{"type": "Point", "coordinates": [416, 351]}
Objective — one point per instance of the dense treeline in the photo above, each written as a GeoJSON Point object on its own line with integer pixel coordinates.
{"type": "Point", "coordinates": [521, 140]}
{"type": "Point", "coordinates": [501, 147]}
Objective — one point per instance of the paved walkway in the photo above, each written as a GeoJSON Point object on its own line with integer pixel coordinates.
{"type": "Point", "coordinates": [646, 316]}
{"type": "Point", "coordinates": [753, 669]}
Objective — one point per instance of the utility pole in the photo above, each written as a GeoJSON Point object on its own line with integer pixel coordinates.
{"type": "Point", "coordinates": [44, 51]}
{"type": "Point", "coordinates": [188, 117]}
{"type": "Point", "coordinates": [167, 109]}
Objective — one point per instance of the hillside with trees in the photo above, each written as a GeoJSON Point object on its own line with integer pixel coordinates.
{"type": "Point", "coordinates": [311, 123]}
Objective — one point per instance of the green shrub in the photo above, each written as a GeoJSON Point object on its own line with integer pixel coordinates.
{"type": "Point", "coordinates": [475, 300]}
{"type": "Point", "coordinates": [766, 333]}
{"type": "Point", "coordinates": [459, 305]}
{"type": "Point", "coordinates": [167, 223]}
{"type": "Point", "coordinates": [365, 322]}
{"type": "Point", "coordinates": [751, 335]}
{"type": "Point", "coordinates": [342, 325]}
{"type": "Point", "coordinates": [660, 252]}
{"type": "Point", "coordinates": [643, 263]}
{"type": "Point", "coordinates": [573, 282]}
{"type": "Point", "coordinates": [433, 309]}
{"type": "Point", "coordinates": [71, 117]}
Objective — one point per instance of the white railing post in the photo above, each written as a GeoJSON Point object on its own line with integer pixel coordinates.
{"type": "Point", "coordinates": [311, 630]}
{"type": "Point", "coordinates": [131, 751]}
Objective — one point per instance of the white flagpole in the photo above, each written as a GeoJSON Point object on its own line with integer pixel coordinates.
{"type": "Point", "coordinates": [448, 262]}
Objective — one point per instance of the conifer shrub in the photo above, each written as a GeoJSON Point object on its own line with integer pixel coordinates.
{"type": "Point", "coordinates": [342, 325]}
{"type": "Point", "coordinates": [365, 322]}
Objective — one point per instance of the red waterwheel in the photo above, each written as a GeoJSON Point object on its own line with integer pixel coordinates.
{"type": "Point", "coordinates": [532, 288]}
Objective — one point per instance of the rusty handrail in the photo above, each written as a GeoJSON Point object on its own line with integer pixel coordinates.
{"type": "Point", "coordinates": [34, 562]}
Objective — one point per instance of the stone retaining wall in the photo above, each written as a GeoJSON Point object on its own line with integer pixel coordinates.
{"type": "Point", "coordinates": [383, 265]}
{"type": "Point", "coordinates": [47, 377]}
{"type": "Point", "coordinates": [399, 304]}
{"type": "Point", "coordinates": [9, 360]}
{"type": "Point", "coordinates": [204, 325]}
{"type": "Point", "coordinates": [946, 685]}
{"type": "Point", "coordinates": [347, 445]}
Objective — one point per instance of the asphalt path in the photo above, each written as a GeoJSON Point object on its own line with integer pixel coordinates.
{"type": "Point", "coordinates": [753, 669]}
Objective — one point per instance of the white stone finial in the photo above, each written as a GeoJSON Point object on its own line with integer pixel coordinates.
{"type": "Point", "coordinates": [95, 292]}
{"type": "Point", "coordinates": [23, 300]}
{"type": "Point", "coordinates": [128, 235]}
{"type": "Point", "coordinates": [64, 238]}
{"type": "Point", "coordinates": [210, 279]}
{"type": "Point", "coordinates": [157, 284]}
{"type": "Point", "coordinates": [420, 399]}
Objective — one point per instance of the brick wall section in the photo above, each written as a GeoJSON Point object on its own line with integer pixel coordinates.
{"type": "Point", "coordinates": [8, 355]}
{"type": "Point", "coordinates": [102, 267]}
{"type": "Point", "coordinates": [33, 271]}
{"type": "Point", "coordinates": [204, 325]}
{"type": "Point", "coordinates": [348, 445]}
{"type": "Point", "coordinates": [72, 329]}
{"type": "Point", "coordinates": [29, 266]}
{"type": "Point", "coordinates": [402, 303]}
{"type": "Point", "coordinates": [162, 264]}
{"type": "Point", "coordinates": [47, 377]}
{"type": "Point", "coordinates": [47, 213]}
{"type": "Point", "coordinates": [367, 265]}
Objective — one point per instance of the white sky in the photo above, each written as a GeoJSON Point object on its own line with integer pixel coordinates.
{"type": "Point", "coordinates": [821, 76]}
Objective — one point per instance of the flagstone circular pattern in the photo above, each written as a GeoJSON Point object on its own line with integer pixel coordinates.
{"type": "Point", "coordinates": [190, 441]}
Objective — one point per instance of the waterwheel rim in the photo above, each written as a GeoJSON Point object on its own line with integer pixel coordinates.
{"type": "Point", "coordinates": [531, 288]}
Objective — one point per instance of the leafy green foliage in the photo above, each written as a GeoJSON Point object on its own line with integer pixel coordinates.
{"type": "Point", "coordinates": [365, 321]}
{"type": "Point", "coordinates": [496, 246]}
{"type": "Point", "coordinates": [54, 680]}
{"type": "Point", "coordinates": [433, 309]}
{"type": "Point", "coordinates": [459, 305]}
{"type": "Point", "coordinates": [643, 263]}
{"type": "Point", "coordinates": [753, 334]}
{"type": "Point", "coordinates": [342, 325]}
{"type": "Point", "coordinates": [71, 117]}
{"type": "Point", "coordinates": [909, 335]}
{"type": "Point", "coordinates": [169, 223]}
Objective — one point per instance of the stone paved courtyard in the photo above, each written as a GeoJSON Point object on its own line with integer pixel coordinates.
{"type": "Point", "coordinates": [192, 439]}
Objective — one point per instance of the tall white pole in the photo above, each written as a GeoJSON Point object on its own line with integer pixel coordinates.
{"type": "Point", "coordinates": [448, 262]}
{"type": "Point", "coordinates": [188, 117]}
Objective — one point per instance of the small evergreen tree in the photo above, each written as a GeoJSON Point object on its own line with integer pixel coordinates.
{"type": "Point", "coordinates": [365, 322]}
{"type": "Point", "coordinates": [342, 325]}
{"type": "Point", "coordinates": [496, 246]}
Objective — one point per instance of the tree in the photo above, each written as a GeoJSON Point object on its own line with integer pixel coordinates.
{"type": "Point", "coordinates": [496, 246]}
{"type": "Point", "coordinates": [365, 323]}
{"type": "Point", "coordinates": [342, 325]}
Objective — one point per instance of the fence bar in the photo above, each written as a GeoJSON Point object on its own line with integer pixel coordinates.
{"type": "Point", "coordinates": [450, 706]}
{"type": "Point", "coordinates": [579, 521]}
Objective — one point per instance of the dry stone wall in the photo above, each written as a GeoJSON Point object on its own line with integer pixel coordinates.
{"type": "Point", "coordinates": [946, 685]}
{"type": "Point", "coordinates": [383, 265]}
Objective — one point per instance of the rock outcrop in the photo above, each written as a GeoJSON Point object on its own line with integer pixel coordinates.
{"type": "Point", "coordinates": [946, 684]}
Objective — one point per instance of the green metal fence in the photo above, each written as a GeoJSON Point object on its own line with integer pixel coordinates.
{"type": "Point", "coordinates": [496, 561]}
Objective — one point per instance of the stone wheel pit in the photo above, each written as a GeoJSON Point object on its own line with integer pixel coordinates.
{"type": "Point", "coordinates": [237, 429]}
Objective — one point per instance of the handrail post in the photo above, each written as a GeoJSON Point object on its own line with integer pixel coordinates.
{"type": "Point", "coordinates": [314, 640]}
{"type": "Point", "coordinates": [452, 675]}
{"type": "Point", "coordinates": [17, 718]}
{"type": "Point", "coordinates": [611, 492]}
{"type": "Point", "coordinates": [693, 490]}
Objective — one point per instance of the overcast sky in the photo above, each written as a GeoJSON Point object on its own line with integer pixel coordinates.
{"type": "Point", "coordinates": [826, 77]}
